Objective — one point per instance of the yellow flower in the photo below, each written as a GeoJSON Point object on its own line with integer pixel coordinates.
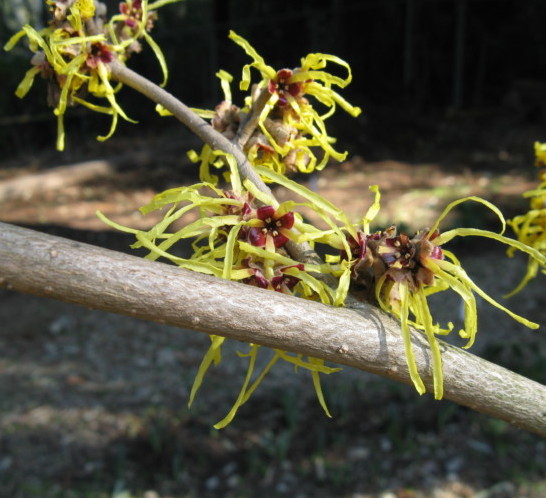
{"type": "Point", "coordinates": [238, 239]}
{"type": "Point", "coordinates": [289, 105]}
{"type": "Point", "coordinates": [135, 21]}
{"type": "Point", "coordinates": [540, 154]}
{"type": "Point", "coordinates": [86, 8]}
{"type": "Point", "coordinates": [71, 60]}
{"type": "Point", "coordinates": [289, 127]}
{"type": "Point", "coordinates": [530, 228]}
{"type": "Point", "coordinates": [76, 62]}
{"type": "Point", "coordinates": [287, 85]}
{"type": "Point", "coordinates": [405, 270]}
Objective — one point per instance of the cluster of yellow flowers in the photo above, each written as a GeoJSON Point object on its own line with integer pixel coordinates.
{"type": "Point", "coordinates": [402, 272]}
{"type": "Point", "coordinates": [289, 127]}
{"type": "Point", "coordinates": [240, 235]}
{"type": "Point", "coordinates": [530, 228]}
{"type": "Point", "coordinates": [73, 52]}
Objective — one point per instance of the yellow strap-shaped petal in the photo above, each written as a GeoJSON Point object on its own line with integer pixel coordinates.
{"type": "Point", "coordinates": [159, 56]}
{"type": "Point", "coordinates": [242, 393]}
{"type": "Point", "coordinates": [318, 61]}
{"type": "Point", "coordinates": [213, 355]}
{"type": "Point", "coordinates": [316, 384]}
{"type": "Point", "coordinates": [451, 205]}
{"type": "Point", "coordinates": [420, 302]}
{"type": "Point", "coordinates": [373, 210]}
{"type": "Point", "coordinates": [261, 376]}
{"type": "Point", "coordinates": [463, 288]}
{"type": "Point", "coordinates": [461, 274]}
{"type": "Point", "coordinates": [259, 63]}
{"type": "Point", "coordinates": [406, 336]}
{"type": "Point", "coordinates": [230, 245]}
{"type": "Point", "coordinates": [14, 40]}
{"type": "Point", "coordinates": [225, 80]}
{"type": "Point", "coordinates": [160, 3]}
{"type": "Point", "coordinates": [463, 232]}
{"type": "Point", "coordinates": [27, 81]}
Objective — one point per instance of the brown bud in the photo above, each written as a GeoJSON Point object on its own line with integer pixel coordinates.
{"type": "Point", "coordinates": [281, 133]}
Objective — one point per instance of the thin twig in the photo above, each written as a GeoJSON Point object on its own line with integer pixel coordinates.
{"type": "Point", "coordinates": [187, 117]}
{"type": "Point", "coordinates": [251, 122]}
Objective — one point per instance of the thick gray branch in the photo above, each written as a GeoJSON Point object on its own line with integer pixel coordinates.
{"type": "Point", "coordinates": [367, 339]}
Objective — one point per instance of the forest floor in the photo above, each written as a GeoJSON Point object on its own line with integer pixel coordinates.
{"type": "Point", "coordinates": [95, 405]}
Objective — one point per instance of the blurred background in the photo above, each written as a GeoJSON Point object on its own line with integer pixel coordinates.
{"type": "Point", "coordinates": [453, 94]}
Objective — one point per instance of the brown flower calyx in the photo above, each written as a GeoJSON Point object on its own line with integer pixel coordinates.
{"type": "Point", "coordinates": [397, 255]}
{"type": "Point", "coordinates": [227, 119]}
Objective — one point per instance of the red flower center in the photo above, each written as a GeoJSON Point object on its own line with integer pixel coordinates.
{"type": "Point", "coordinates": [272, 226]}
{"type": "Point", "coordinates": [282, 86]}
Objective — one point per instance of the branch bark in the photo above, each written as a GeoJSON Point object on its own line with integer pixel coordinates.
{"type": "Point", "coordinates": [187, 117]}
{"type": "Point", "coordinates": [366, 338]}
